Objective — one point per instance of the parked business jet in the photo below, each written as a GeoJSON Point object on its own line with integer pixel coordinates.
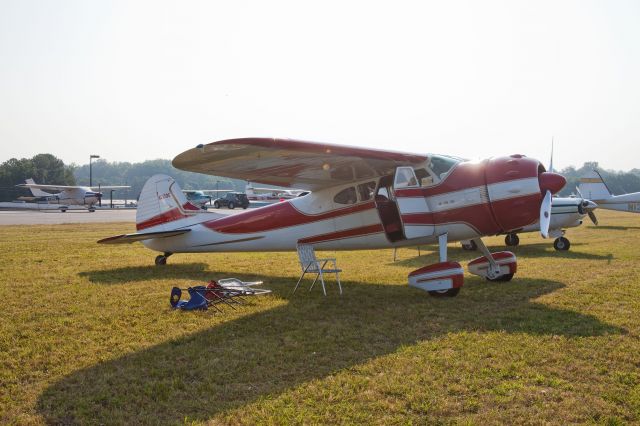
{"type": "Point", "coordinates": [66, 195]}
{"type": "Point", "coordinates": [361, 199]}
{"type": "Point", "coordinates": [593, 187]}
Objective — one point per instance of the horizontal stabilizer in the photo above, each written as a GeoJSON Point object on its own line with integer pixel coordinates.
{"type": "Point", "coordinates": [141, 236]}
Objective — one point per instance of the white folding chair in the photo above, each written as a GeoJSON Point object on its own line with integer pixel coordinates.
{"type": "Point", "coordinates": [310, 264]}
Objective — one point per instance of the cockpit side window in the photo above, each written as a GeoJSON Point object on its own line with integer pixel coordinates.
{"type": "Point", "coordinates": [405, 178]}
{"type": "Point", "coordinates": [424, 178]}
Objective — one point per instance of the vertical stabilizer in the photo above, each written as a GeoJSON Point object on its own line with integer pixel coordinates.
{"type": "Point", "coordinates": [592, 187]}
{"type": "Point", "coordinates": [36, 191]}
{"type": "Point", "coordinates": [161, 203]}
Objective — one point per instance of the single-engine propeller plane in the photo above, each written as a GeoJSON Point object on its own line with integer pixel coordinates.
{"type": "Point", "coordinates": [361, 199]}
{"type": "Point", "coordinates": [67, 195]}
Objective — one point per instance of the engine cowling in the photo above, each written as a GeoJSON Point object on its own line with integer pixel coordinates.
{"type": "Point", "coordinates": [516, 186]}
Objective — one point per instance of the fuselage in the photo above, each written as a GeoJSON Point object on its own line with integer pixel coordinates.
{"type": "Point", "coordinates": [413, 206]}
{"type": "Point", "coordinates": [623, 203]}
{"type": "Point", "coordinates": [83, 196]}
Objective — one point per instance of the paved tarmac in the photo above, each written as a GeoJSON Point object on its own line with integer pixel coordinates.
{"type": "Point", "coordinates": [54, 217]}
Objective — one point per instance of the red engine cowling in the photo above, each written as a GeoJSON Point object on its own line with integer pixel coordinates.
{"type": "Point", "coordinates": [516, 186]}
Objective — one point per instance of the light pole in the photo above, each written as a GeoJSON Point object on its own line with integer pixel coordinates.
{"type": "Point", "coordinates": [91, 157]}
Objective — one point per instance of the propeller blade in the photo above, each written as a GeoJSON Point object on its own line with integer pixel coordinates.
{"type": "Point", "coordinates": [593, 217]}
{"type": "Point", "coordinates": [545, 215]}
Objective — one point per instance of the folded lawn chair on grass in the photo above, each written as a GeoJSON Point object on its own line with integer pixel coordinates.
{"type": "Point", "coordinates": [227, 291]}
{"type": "Point", "coordinates": [310, 264]}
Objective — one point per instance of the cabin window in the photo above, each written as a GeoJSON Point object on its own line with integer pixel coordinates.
{"type": "Point", "coordinates": [366, 190]}
{"type": "Point", "coordinates": [346, 196]}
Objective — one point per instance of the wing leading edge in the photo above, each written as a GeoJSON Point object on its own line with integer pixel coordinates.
{"type": "Point", "coordinates": [292, 163]}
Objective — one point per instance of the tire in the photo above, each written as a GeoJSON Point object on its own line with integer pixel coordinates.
{"type": "Point", "coordinates": [216, 205]}
{"type": "Point", "coordinates": [452, 292]}
{"type": "Point", "coordinates": [161, 260]}
{"type": "Point", "coordinates": [501, 278]}
{"type": "Point", "coordinates": [561, 244]}
{"type": "Point", "coordinates": [471, 246]}
{"type": "Point", "coordinates": [512, 240]}
{"type": "Point", "coordinates": [232, 206]}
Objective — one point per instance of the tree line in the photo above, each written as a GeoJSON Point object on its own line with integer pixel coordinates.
{"type": "Point", "coordinates": [48, 169]}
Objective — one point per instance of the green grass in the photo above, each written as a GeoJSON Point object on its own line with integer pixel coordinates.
{"type": "Point", "coordinates": [87, 336]}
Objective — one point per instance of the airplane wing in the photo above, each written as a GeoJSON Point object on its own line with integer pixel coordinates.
{"type": "Point", "coordinates": [101, 187]}
{"type": "Point", "coordinates": [209, 190]}
{"type": "Point", "coordinates": [140, 236]}
{"type": "Point", "coordinates": [276, 189]}
{"type": "Point", "coordinates": [65, 187]}
{"type": "Point", "coordinates": [292, 163]}
{"type": "Point", "coordinates": [49, 187]}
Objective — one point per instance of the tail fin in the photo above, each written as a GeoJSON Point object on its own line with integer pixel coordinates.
{"type": "Point", "coordinates": [162, 202]}
{"type": "Point", "coordinates": [36, 191]}
{"type": "Point", "coordinates": [592, 187]}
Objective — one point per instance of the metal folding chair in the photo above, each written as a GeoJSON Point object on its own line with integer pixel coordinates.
{"type": "Point", "coordinates": [310, 264]}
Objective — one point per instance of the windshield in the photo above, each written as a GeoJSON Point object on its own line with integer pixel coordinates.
{"type": "Point", "coordinates": [440, 165]}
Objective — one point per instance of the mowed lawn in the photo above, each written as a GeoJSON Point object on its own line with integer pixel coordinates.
{"type": "Point", "coordinates": [87, 336]}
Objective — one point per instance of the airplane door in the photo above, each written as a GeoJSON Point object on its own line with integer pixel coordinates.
{"type": "Point", "coordinates": [417, 219]}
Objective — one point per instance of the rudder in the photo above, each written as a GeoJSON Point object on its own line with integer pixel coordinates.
{"type": "Point", "coordinates": [592, 187]}
{"type": "Point", "coordinates": [161, 202]}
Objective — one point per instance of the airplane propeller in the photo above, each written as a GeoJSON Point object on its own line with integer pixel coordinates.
{"type": "Point", "coordinates": [545, 214]}
{"type": "Point", "coordinates": [588, 207]}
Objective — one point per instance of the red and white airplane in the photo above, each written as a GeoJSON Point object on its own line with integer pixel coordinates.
{"type": "Point", "coordinates": [360, 199]}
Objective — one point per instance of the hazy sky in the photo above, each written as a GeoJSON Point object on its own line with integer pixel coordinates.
{"type": "Point", "coordinates": [136, 80]}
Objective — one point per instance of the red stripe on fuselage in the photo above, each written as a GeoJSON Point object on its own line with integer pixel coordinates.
{"type": "Point", "coordinates": [347, 233]}
{"type": "Point", "coordinates": [276, 216]}
{"type": "Point", "coordinates": [168, 216]}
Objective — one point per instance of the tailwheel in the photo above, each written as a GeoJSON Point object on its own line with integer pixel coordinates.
{"type": "Point", "coordinates": [512, 240]}
{"type": "Point", "coordinates": [469, 245]}
{"type": "Point", "coordinates": [161, 259]}
{"type": "Point", "coordinates": [452, 292]}
{"type": "Point", "coordinates": [561, 244]}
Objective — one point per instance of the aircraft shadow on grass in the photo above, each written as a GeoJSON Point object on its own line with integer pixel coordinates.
{"type": "Point", "coordinates": [197, 271]}
{"type": "Point", "coordinates": [613, 227]}
{"type": "Point", "coordinates": [236, 363]}
{"type": "Point", "coordinates": [429, 254]}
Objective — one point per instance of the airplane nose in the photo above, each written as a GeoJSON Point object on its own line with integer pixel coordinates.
{"type": "Point", "coordinates": [552, 182]}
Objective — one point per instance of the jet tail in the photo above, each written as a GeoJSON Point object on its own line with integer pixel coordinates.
{"type": "Point", "coordinates": [37, 192]}
{"type": "Point", "coordinates": [592, 187]}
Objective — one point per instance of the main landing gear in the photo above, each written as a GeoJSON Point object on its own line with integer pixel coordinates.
{"type": "Point", "coordinates": [512, 240]}
{"type": "Point", "coordinates": [444, 279]}
{"type": "Point", "coordinates": [161, 259]}
{"type": "Point", "coordinates": [561, 244]}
